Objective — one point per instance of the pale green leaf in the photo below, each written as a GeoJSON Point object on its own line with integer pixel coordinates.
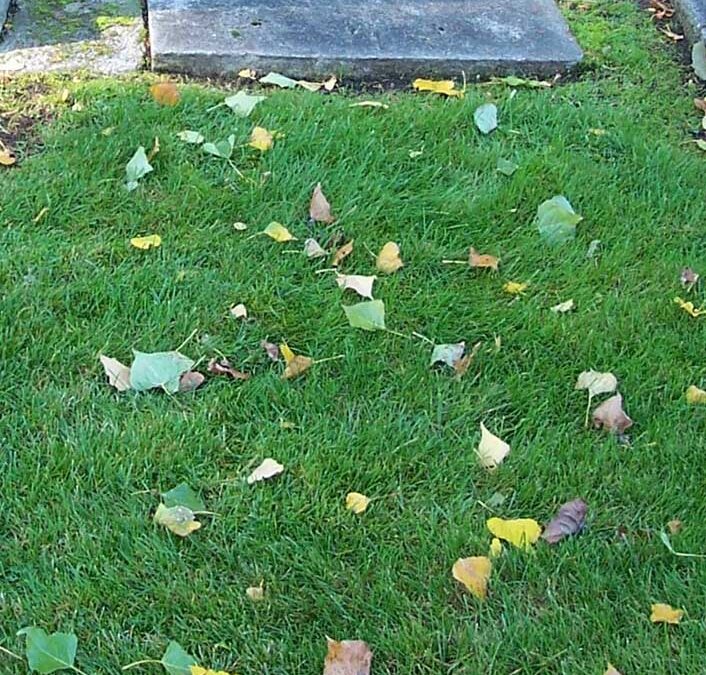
{"type": "Point", "coordinates": [366, 315]}
{"type": "Point", "coordinates": [557, 220]}
{"type": "Point", "coordinates": [506, 167]}
{"type": "Point", "coordinates": [136, 168]}
{"type": "Point", "coordinates": [448, 353]}
{"type": "Point", "coordinates": [486, 118]}
{"type": "Point", "coordinates": [183, 495]}
{"type": "Point", "coordinates": [176, 661]}
{"type": "Point", "coordinates": [49, 653]}
{"type": "Point", "coordinates": [243, 104]}
{"type": "Point", "coordinates": [278, 80]}
{"type": "Point", "coordinates": [223, 149]}
{"type": "Point", "coordinates": [158, 369]}
{"type": "Point", "coordinates": [698, 59]}
{"type": "Point", "coordinates": [191, 137]}
{"type": "Point", "coordinates": [514, 81]}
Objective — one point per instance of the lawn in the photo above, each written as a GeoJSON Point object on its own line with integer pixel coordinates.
{"type": "Point", "coordinates": [82, 466]}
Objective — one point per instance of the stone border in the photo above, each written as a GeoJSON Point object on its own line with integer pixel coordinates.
{"type": "Point", "coordinates": [4, 9]}
{"type": "Point", "coordinates": [692, 17]}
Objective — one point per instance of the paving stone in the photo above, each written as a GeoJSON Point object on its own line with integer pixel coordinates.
{"type": "Point", "coordinates": [361, 39]}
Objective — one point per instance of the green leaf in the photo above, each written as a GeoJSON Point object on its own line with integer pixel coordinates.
{"type": "Point", "coordinates": [191, 137]}
{"type": "Point", "coordinates": [136, 168]}
{"type": "Point", "coordinates": [557, 220]}
{"type": "Point", "coordinates": [243, 104]}
{"type": "Point", "coordinates": [698, 59]}
{"type": "Point", "coordinates": [513, 81]}
{"type": "Point", "coordinates": [176, 661]}
{"type": "Point", "coordinates": [486, 118]}
{"type": "Point", "coordinates": [49, 653]}
{"type": "Point", "coordinates": [506, 167]}
{"type": "Point", "coordinates": [222, 148]}
{"type": "Point", "coordinates": [366, 315]}
{"type": "Point", "coordinates": [158, 369]}
{"type": "Point", "coordinates": [278, 80]}
{"type": "Point", "coordinates": [183, 495]}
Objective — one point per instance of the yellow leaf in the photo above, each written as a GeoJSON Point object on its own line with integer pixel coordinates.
{"type": "Point", "coordinates": [297, 366]}
{"type": "Point", "coordinates": [695, 396]}
{"type": "Point", "coordinates": [496, 548]}
{"type": "Point", "coordinates": [357, 502]}
{"type": "Point", "coordinates": [310, 86]}
{"type": "Point", "coordinates": [662, 613]}
{"type": "Point", "coordinates": [522, 532]}
{"type": "Point", "coordinates": [474, 574]}
{"type": "Point", "coordinates": [178, 519]}
{"type": "Point", "coordinates": [444, 87]}
{"type": "Point", "coordinates": [247, 73]}
{"type": "Point", "coordinates": [689, 308]}
{"type": "Point", "coordinates": [514, 287]}
{"type": "Point", "coordinates": [7, 158]}
{"type": "Point", "coordinates": [198, 670]}
{"type": "Point", "coordinates": [165, 93]}
{"type": "Point", "coordinates": [278, 232]}
{"type": "Point", "coordinates": [261, 139]}
{"type": "Point", "coordinates": [331, 83]}
{"type": "Point", "coordinates": [388, 260]}
{"type": "Point", "coordinates": [491, 450]}
{"type": "Point", "coordinates": [287, 353]}
{"type": "Point", "coordinates": [150, 241]}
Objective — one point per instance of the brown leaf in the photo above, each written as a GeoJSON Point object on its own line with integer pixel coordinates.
{"type": "Point", "coordinates": [320, 209]}
{"type": "Point", "coordinates": [688, 277]}
{"type": "Point", "coordinates": [297, 366]}
{"type": "Point", "coordinates": [348, 657]}
{"type": "Point", "coordinates": [271, 349]}
{"type": "Point", "coordinates": [165, 93]}
{"type": "Point", "coordinates": [485, 261]}
{"type": "Point", "coordinates": [569, 520]}
{"type": "Point", "coordinates": [118, 373]}
{"type": "Point", "coordinates": [223, 367]}
{"type": "Point", "coordinates": [461, 366]}
{"type": "Point", "coordinates": [342, 253]}
{"type": "Point", "coordinates": [190, 381]}
{"type": "Point", "coordinates": [313, 249]}
{"type": "Point", "coordinates": [610, 415]}
{"type": "Point", "coordinates": [674, 526]}
{"type": "Point", "coordinates": [700, 104]}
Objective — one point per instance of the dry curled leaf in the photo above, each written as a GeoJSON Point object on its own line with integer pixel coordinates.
{"type": "Point", "coordinates": [674, 526]}
{"type": "Point", "coordinates": [482, 260]}
{"type": "Point", "coordinates": [239, 311]}
{"type": "Point", "coordinates": [320, 209]}
{"type": "Point", "coordinates": [474, 574]}
{"type": "Point", "coordinates": [362, 285]}
{"type": "Point", "coordinates": [118, 373]}
{"type": "Point", "coordinates": [443, 87]}
{"type": "Point", "coordinates": [461, 366]}
{"type": "Point", "coordinates": [271, 348]}
{"type": "Point", "coordinates": [144, 243]}
{"type": "Point", "coordinates": [388, 260]}
{"type": "Point", "coordinates": [268, 469]}
{"type": "Point", "coordinates": [596, 383]}
{"type": "Point", "coordinates": [689, 308]}
{"type": "Point", "coordinates": [357, 502]}
{"type": "Point", "coordinates": [369, 104]}
{"type": "Point", "coordinates": [313, 249]}
{"type": "Point", "coordinates": [450, 354]}
{"type": "Point", "coordinates": [348, 657]}
{"type": "Point", "coordinates": [611, 416]}
{"type": "Point", "coordinates": [256, 593]}
{"type": "Point", "coordinates": [342, 253]}
{"type": "Point", "coordinates": [165, 93]}
{"type": "Point", "coordinates": [700, 104]}
{"type": "Point", "coordinates": [178, 519]}
{"type": "Point", "coordinates": [521, 532]}
{"type": "Point", "coordinates": [688, 277]}
{"type": "Point", "coordinates": [491, 450]}
{"type": "Point", "coordinates": [7, 157]}
{"type": "Point", "coordinates": [247, 74]}
{"type": "Point", "coordinates": [296, 364]}
{"type": "Point", "coordinates": [662, 613]}
{"type": "Point", "coordinates": [694, 395]}
{"type": "Point", "coordinates": [569, 520]}
{"type": "Point", "coordinates": [515, 287]}
{"type": "Point", "coordinates": [223, 367]}
{"type": "Point", "coordinates": [190, 381]}
{"type": "Point", "coordinates": [563, 307]}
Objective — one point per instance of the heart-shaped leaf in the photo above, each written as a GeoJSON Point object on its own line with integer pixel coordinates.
{"type": "Point", "coordinates": [557, 220]}
{"type": "Point", "coordinates": [183, 495]}
{"type": "Point", "coordinates": [243, 104]}
{"type": "Point", "coordinates": [486, 117]}
{"type": "Point", "coordinates": [366, 315]}
{"type": "Point", "coordinates": [49, 653]}
{"type": "Point", "coordinates": [176, 661]}
{"type": "Point", "coordinates": [223, 149]}
{"type": "Point", "coordinates": [136, 168]}
{"type": "Point", "coordinates": [158, 369]}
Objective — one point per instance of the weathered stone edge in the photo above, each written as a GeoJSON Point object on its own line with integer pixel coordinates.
{"type": "Point", "coordinates": [692, 16]}
{"type": "Point", "coordinates": [4, 9]}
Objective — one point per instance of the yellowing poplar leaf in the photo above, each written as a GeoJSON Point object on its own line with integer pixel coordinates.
{"type": "Point", "coordinates": [144, 243]}
{"type": "Point", "coordinates": [694, 395]}
{"type": "Point", "coordinates": [357, 502]}
{"type": "Point", "coordinates": [474, 574]}
{"type": "Point", "coordinates": [521, 532]}
{"type": "Point", "coordinates": [268, 469]}
{"type": "Point", "coordinates": [287, 353]}
{"type": "Point", "coordinates": [198, 670]}
{"type": "Point", "coordinates": [362, 285]}
{"type": "Point", "coordinates": [348, 657]}
{"type": "Point", "coordinates": [514, 287]}
{"type": "Point", "coordinates": [296, 364]}
{"type": "Point", "coordinates": [165, 93]}
{"type": "Point", "coordinates": [278, 232]}
{"type": "Point", "coordinates": [662, 613]}
{"type": "Point", "coordinates": [7, 157]}
{"type": "Point", "coordinates": [443, 87]}
{"type": "Point", "coordinates": [596, 383]}
{"type": "Point", "coordinates": [491, 450]}
{"type": "Point", "coordinates": [388, 260]}
{"type": "Point", "coordinates": [689, 308]}
{"type": "Point", "coordinates": [179, 519]}
{"type": "Point", "coordinates": [261, 139]}
{"type": "Point", "coordinates": [496, 548]}
{"type": "Point", "coordinates": [482, 260]}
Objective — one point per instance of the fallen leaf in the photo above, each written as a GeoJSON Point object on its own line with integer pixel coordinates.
{"type": "Point", "coordinates": [357, 502]}
{"type": "Point", "coordinates": [7, 157]}
{"type": "Point", "coordinates": [223, 367]}
{"type": "Point", "coordinates": [278, 232]}
{"type": "Point", "coordinates": [330, 84]}
{"type": "Point", "coordinates": [514, 287]}
{"type": "Point", "coordinates": [268, 469]}
{"type": "Point", "coordinates": [319, 208]}
{"type": "Point", "coordinates": [596, 383]}
{"type": "Point", "coordinates": [239, 311]}
{"type": "Point", "coordinates": [369, 104]}
{"type": "Point", "coordinates": [593, 248]}
{"type": "Point", "coordinates": [342, 253]}
{"type": "Point", "coordinates": [482, 260]}
{"type": "Point", "coordinates": [388, 260]}
{"type": "Point", "coordinates": [137, 168]}
{"type": "Point", "coordinates": [689, 308]}
{"type": "Point", "coordinates": [611, 670]}
{"type": "Point", "coordinates": [443, 87]}
{"type": "Point", "coordinates": [694, 395]}
{"type": "Point", "coordinates": [700, 104]}
{"type": "Point", "coordinates": [701, 143]}
{"type": "Point", "coordinates": [48, 653]}
{"type": "Point", "coordinates": [506, 167]}
{"type": "Point", "coordinates": [297, 366]}
{"type": "Point", "coordinates": [261, 139]}
{"type": "Point", "coordinates": [563, 307]}
{"type": "Point", "coordinates": [486, 118]}
{"type": "Point", "coordinates": [569, 520]}
{"type": "Point", "coordinates": [158, 370]}
{"type": "Point", "coordinates": [671, 34]}
{"type": "Point", "coordinates": [183, 495]}
{"type": "Point", "coordinates": [514, 81]}
{"type": "Point", "coordinates": [597, 131]}
{"type": "Point", "coordinates": [310, 86]}
{"type": "Point", "coordinates": [674, 526]}
{"type": "Point", "coordinates": [155, 149]}
{"type": "Point", "coordinates": [449, 354]}
{"type": "Point", "coordinates": [198, 670]}
{"type": "Point", "coordinates": [190, 381]}
{"type": "Point", "coordinates": [165, 93]}
{"type": "Point", "coordinates": [521, 533]}
{"type": "Point", "coordinates": [662, 613]}
{"type": "Point", "coordinates": [193, 137]}
{"type": "Point", "coordinates": [610, 415]}
{"type": "Point", "coordinates": [243, 104]}
{"type": "Point", "coordinates": [491, 450]}
{"type": "Point", "coordinates": [474, 574]}
{"type": "Point", "coordinates": [240, 227]}
{"type": "Point", "coordinates": [178, 519]}
{"type": "Point", "coordinates": [256, 593]}
{"type": "Point", "coordinates": [496, 548]}
{"type": "Point", "coordinates": [278, 80]}
{"type": "Point", "coordinates": [413, 154]}
{"type": "Point", "coordinates": [368, 315]}
{"type": "Point", "coordinates": [557, 220]}
{"type": "Point", "coordinates": [222, 149]}
{"type": "Point", "coordinates": [698, 59]}
{"type": "Point", "coordinates": [348, 657]}
{"type": "Point", "coordinates": [144, 243]}
{"type": "Point", "coordinates": [176, 661]}
{"type": "Point", "coordinates": [688, 277]}
{"type": "Point", "coordinates": [247, 73]}
{"type": "Point", "coordinates": [118, 374]}
{"type": "Point", "coordinates": [461, 366]}
{"type": "Point", "coordinates": [362, 285]}
{"type": "Point", "coordinates": [271, 349]}
{"type": "Point", "coordinates": [313, 249]}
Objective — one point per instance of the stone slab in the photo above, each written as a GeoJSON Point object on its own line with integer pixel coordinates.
{"type": "Point", "coordinates": [692, 16]}
{"type": "Point", "coordinates": [374, 40]}
{"type": "Point", "coordinates": [4, 8]}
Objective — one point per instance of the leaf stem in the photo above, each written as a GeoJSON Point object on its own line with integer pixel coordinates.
{"type": "Point", "coordinates": [394, 332]}
{"type": "Point", "coordinates": [9, 653]}
{"type": "Point", "coordinates": [329, 358]}
{"type": "Point", "coordinates": [422, 337]}
{"type": "Point", "coordinates": [139, 663]}
{"type": "Point", "coordinates": [454, 262]}
{"type": "Point", "coordinates": [588, 411]}
{"type": "Point", "coordinates": [183, 344]}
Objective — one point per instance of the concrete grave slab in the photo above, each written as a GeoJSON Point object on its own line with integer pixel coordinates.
{"type": "Point", "coordinates": [361, 39]}
{"type": "Point", "coordinates": [692, 16]}
{"type": "Point", "coordinates": [4, 9]}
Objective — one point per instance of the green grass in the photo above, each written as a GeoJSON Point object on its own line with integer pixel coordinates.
{"type": "Point", "coordinates": [81, 465]}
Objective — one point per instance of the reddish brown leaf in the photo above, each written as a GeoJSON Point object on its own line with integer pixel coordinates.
{"type": "Point", "coordinates": [342, 253]}
{"type": "Point", "coordinates": [569, 520]}
{"type": "Point", "coordinates": [223, 367]}
{"type": "Point", "coordinates": [482, 260]}
{"type": "Point", "coordinates": [611, 416]}
{"type": "Point", "coordinates": [320, 209]}
{"type": "Point", "coordinates": [165, 93]}
{"type": "Point", "coordinates": [190, 381]}
{"type": "Point", "coordinates": [271, 349]}
{"type": "Point", "coordinates": [348, 657]}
